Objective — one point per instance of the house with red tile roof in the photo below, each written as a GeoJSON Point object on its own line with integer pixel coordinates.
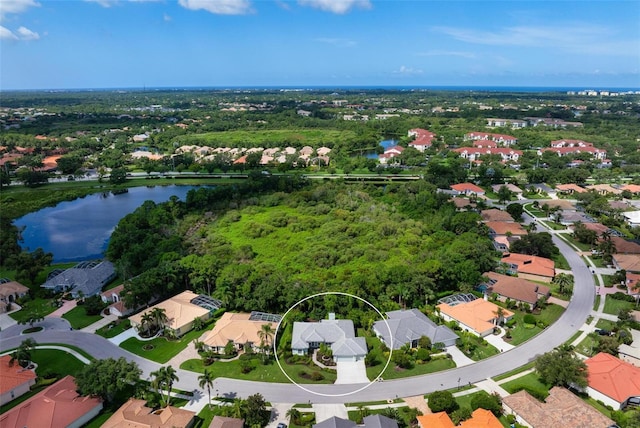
{"type": "Point", "coordinates": [534, 268]}
{"type": "Point", "coordinates": [561, 408]}
{"type": "Point", "coordinates": [390, 153]}
{"type": "Point", "coordinates": [474, 153]}
{"type": "Point", "coordinates": [628, 262]}
{"type": "Point", "coordinates": [225, 422]}
{"type": "Point", "coordinates": [614, 382]}
{"type": "Point", "coordinates": [16, 380]}
{"type": "Point", "coordinates": [502, 139]}
{"type": "Point", "coordinates": [480, 418]}
{"type": "Point", "coordinates": [624, 246]}
{"type": "Point", "coordinates": [514, 288]}
{"type": "Point", "coordinates": [570, 189]}
{"type": "Point", "coordinates": [468, 189]}
{"type": "Point", "coordinates": [423, 139]}
{"type": "Point", "coordinates": [633, 188]}
{"type": "Point", "coordinates": [463, 203]}
{"type": "Point", "coordinates": [564, 151]}
{"type": "Point", "coordinates": [485, 144]}
{"type": "Point", "coordinates": [477, 316]}
{"type": "Point", "coordinates": [135, 414]}
{"type": "Point", "coordinates": [505, 228]}
{"type": "Point", "coordinates": [604, 189]}
{"type": "Point", "coordinates": [57, 406]}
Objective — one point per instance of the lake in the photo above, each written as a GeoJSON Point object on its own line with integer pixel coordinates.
{"type": "Point", "coordinates": [80, 229]}
{"type": "Point", "coordinates": [385, 145]}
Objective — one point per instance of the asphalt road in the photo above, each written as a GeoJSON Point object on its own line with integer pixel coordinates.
{"type": "Point", "coordinates": [571, 320]}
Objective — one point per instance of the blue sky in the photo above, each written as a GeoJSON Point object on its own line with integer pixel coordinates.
{"type": "Point", "coordinates": [66, 44]}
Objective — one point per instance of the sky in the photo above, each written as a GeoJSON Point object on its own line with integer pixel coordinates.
{"type": "Point", "coordinates": [76, 44]}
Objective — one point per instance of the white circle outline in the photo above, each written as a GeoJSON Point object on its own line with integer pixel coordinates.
{"type": "Point", "coordinates": [275, 340]}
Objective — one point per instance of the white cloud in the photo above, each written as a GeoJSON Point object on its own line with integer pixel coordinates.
{"type": "Point", "coordinates": [16, 6]}
{"type": "Point", "coordinates": [461, 54]}
{"type": "Point", "coordinates": [336, 6]}
{"type": "Point", "coordinates": [407, 71]}
{"type": "Point", "coordinates": [25, 34]}
{"type": "Point", "coordinates": [6, 34]}
{"type": "Point", "coordinates": [219, 7]}
{"type": "Point", "coordinates": [587, 38]}
{"type": "Point", "coordinates": [104, 3]}
{"type": "Point", "coordinates": [166, 18]}
{"type": "Point", "coordinates": [343, 43]}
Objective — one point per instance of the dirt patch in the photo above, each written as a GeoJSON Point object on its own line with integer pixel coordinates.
{"type": "Point", "coordinates": [418, 402]}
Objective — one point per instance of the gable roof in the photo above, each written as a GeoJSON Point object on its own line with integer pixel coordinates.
{"type": "Point", "coordinates": [237, 328]}
{"type": "Point", "coordinates": [225, 422]}
{"type": "Point", "coordinates": [134, 414]}
{"type": "Point", "coordinates": [495, 214]}
{"type": "Point", "coordinates": [335, 422]}
{"type": "Point", "coordinates": [570, 187]}
{"type": "Point", "coordinates": [628, 262]}
{"type": "Point", "coordinates": [533, 265]}
{"type": "Point", "coordinates": [379, 421]}
{"type": "Point", "coordinates": [13, 375]}
{"type": "Point", "coordinates": [59, 405]}
{"type": "Point", "coordinates": [481, 418]}
{"type": "Point", "coordinates": [516, 288]}
{"type": "Point", "coordinates": [562, 408]}
{"type": "Point", "coordinates": [11, 288]}
{"type": "Point", "coordinates": [409, 325]}
{"type": "Point", "coordinates": [624, 246]}
{"type": "Point", "coordinates": [86, 277]}
{"type": "Point", "coordinates": [327, 331]}
{"type": "Point", "coordinates": [613, 377]}
{"type": "Point", "coordinates": [467, 188]}
{"type": "Point", "coordinates": [435, 420]}
{"type": "Point", "coordinates": [477, 314]}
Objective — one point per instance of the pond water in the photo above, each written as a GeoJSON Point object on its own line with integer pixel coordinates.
{"type": "Point", "coordinates": [385, 145]}
{"type": "Point", "coordinates": [80, 229]}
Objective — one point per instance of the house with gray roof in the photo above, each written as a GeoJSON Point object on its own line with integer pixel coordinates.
{"type": "Point", "coordinates": [339, 334]}
{"type": "Point", "coordinates": [85, 278]}
{"type": "Point", "coordinates": [372, 421]}
{"type": "Point", "coordinates": [408, 326]}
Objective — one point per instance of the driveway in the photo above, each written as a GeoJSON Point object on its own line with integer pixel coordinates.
{"type": "Point", "coordinates": [327, 411]}
{"type": "Point", "coordinates": [351, 372]}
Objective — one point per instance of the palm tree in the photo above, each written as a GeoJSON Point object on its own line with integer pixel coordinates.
{"type": "Point", "coordinates": [563, 281]}
{"type": "Point", "coordinates": [206, 381]}
{"type": "Point", "coordinates": [22, 354]}
{"type": "Point", "coordinates": [294, 416]}
{"type": "Point", "coordinates": [146, 322]}
{"type": "Point", "coordinates": [160, 318]}
{"type": "Point", "coordinates": [499, 313]}
{"type": "Point", "coordinates": [164, 378]}
{"type": "Point", "coordinates": [266, 336]}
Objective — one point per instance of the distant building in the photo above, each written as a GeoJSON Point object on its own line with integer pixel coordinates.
{"type": "Point", "coordinates": [135, 414]}
{"type": "Point", "coordinates": [423, 139]}
{"type": "Point", "coordinates": [10, 292]}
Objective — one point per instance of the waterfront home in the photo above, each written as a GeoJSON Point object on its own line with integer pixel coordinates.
{"type": "Point", "coordinates": [84, 279]}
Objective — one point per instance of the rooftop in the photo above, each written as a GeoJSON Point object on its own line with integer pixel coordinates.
{"type": "Point", "coordinates": [613, 377]}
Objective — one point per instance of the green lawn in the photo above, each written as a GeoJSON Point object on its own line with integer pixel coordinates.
{"type": "Point", "coordinates": [261, 372]}
{"type": "Point", "coordinates": [613, 306]}
{"type": "Point", "coordinates": [521, 332]}
{"type": "Point", "coordinates": [587, 346]}
{"type": "Point", "coordinates": [114, 329]}
{"type": "Point", "coordinates": [529, 381]}
{"type": "Point", "coordinates": [160, 349]}
{"type": "Point", "coordinates": [41, 306]}
{"type": "Point", "coordinates": [392, 372]}
{"type": "Point", "coordinates": [79, 319]}
{"type": "Point", "coordinates": [596, 302]}
{"type": "Point", "coordinates": [605, 324]}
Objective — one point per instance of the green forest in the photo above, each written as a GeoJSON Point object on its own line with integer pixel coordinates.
{"type": "Point", "coordinates": [270, 242]}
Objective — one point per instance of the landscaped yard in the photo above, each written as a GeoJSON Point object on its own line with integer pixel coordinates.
{"type": "Point", "coordinates": [613, 306]}
{"type": "Point", "coordinates": [113, 329]}
{"type": "Point", "coordinates": [160, 349]}
{"type": "Point", "coordinates": [40, 306]}
{"type": "Point", "coordinates": [79, 319]}
{"type": "Point", "coordinates": [530, 382]}
{"type": "Point", "coordinates": [261, 372]}
{"type": "Point", "coordinates": [587, 346]}
{"type": "Point", "coordinates": [521, 332]}
{"type": "Point", "coordinates": [392, 372]}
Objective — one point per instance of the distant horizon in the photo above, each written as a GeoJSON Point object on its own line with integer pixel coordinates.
{"type": "Point", "coordinates": [51, 44]}
{"type": "Point", "coordinates": [300, 88]}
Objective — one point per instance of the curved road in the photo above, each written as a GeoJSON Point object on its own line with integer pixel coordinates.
{"type": "Point", "coordinates": [558, 333]}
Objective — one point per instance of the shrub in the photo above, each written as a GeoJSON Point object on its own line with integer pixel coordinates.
{"type": "Point", "coordinates": [462, 414]}
{"type": "Point", "coordinates": [529, 319]}
{"type": "Point", "coordinates": [317, 376]}
{"type": "Point", "coordinates": [442, 401]}
{"type": "Point", "coordinates": [423, 355]}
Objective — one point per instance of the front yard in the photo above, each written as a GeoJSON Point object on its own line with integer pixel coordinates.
{"type": "Point", "coordinates": [160, 349]}
{"type": "Point", "coordinates": [79, 319]}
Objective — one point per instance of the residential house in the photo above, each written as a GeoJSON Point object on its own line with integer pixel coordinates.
{"type": "Point", "coordinates": [480, 418]}
{"type": "Point", "coordinates": [467, 189]}
{"type": "Point", "coordinates": [16, 380]}
{"type": "Point", "coordinates": [512, 188]}
{"type": "Point", "coordinates": [551, 122]}
{"type": "Point", "coordinates": [633, 284]}
{"type": "Point", "coordinates": [632, 218]}
{"type": "Point", "coordinates": [11, 291]}
{"type": "Point", "coordinates": [478, 316]}
{"type": "Point", "coordinates": [599, 228]}
{"type": "Point", "coordinates": [181, 310]}
{"type": "Point", "coordinates": [505, 228]}
{"type": "Point", "coordinates": [225, 422]}
{"type": "Point", "coordinates": [339, 334]}
{"type": "Point", "coordinates": [484, 144]}
{"type": "Point", "coordinates": [604, 189]}
{"type": "Point", "coordinates": [241, 329]}
{"type": "Point", "coordinates": [596, 153]}
{"type": "Point", "coordinates": [116, 305]}
{"type": "Point", "coordinates": [633, 188]}
{"type": "Point", "coordinates": [614, 382]}
{"type": "Point", "coordinates": [628, 262]}
{"type": "Point", "coordinates": [408, 326]}
{"type": "Point", "coordinates": [561, 408]}
{"type": "Point", "coordinates": [569, 189]}
{"type": "Point", "coordinates": [501, 123]}
{"type": "Point", "coordinates": [495, 214]}
{"type": "Point", "coordinates": [371, 421]}
{"type": "Point", "coordinates": [390, 153]}
{"type": "Point", "coordinates": [423, 139]}
{"type": "Point", "coordinates": [474, 153]}
{"type": "Point", "coordinates": [59, 405]}
{"type": "Point", "coordinates": [135, 414]}
{"type": "Point", "coordinates": [624, 246]}
{"type": "Point", "coordinates": [516, 289]}
{"type": "Point", "coordinates": [83, 279]}
{"type": "Point", "coordinates": [530, 267]}
{"type": "Point", "coordinates": [463, 204]}
{"type": "Point", "coordinates": [504, 140]}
